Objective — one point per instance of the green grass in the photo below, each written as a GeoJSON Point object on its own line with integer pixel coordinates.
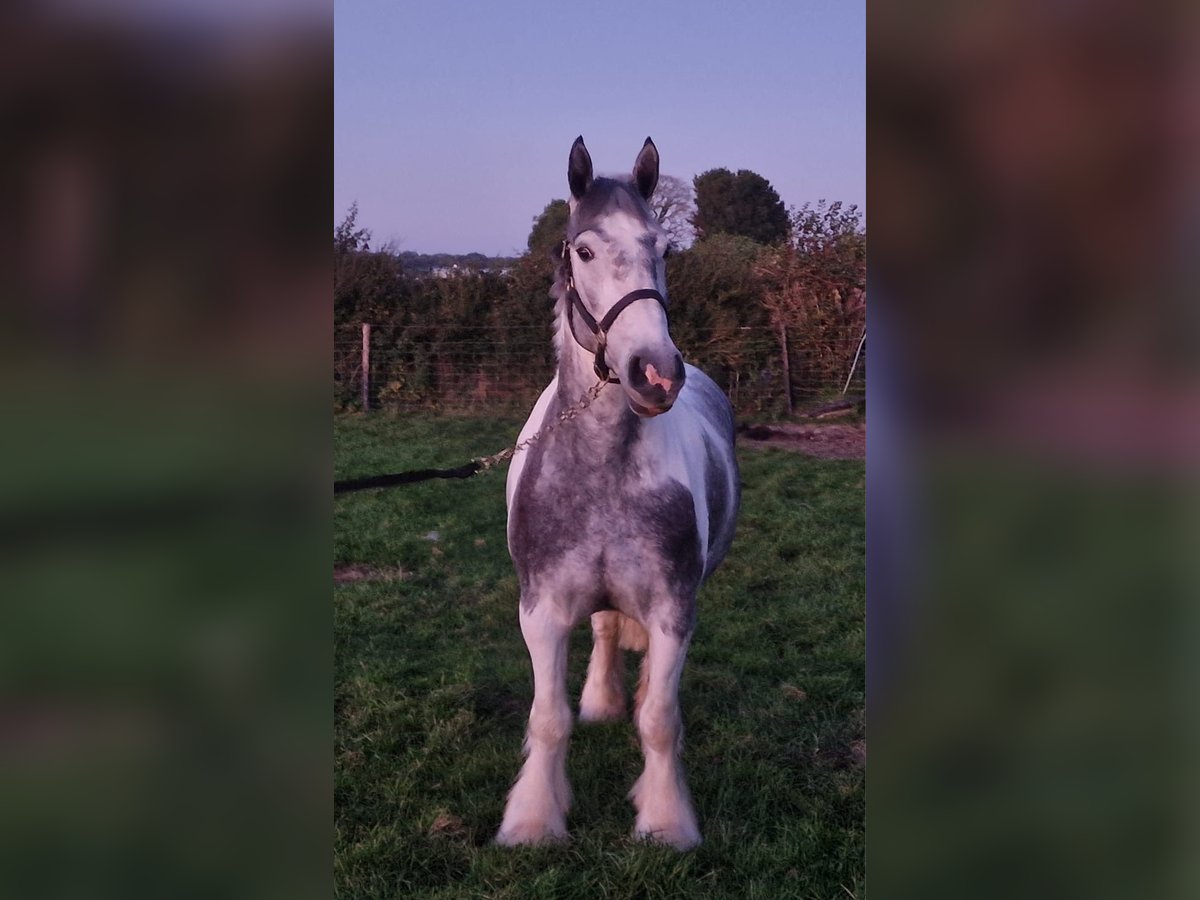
{"type": "Point", "coordinates": [433, 687]}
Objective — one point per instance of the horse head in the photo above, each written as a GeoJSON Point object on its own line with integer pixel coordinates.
{"type": "Point", "coordinates": [614, 257]}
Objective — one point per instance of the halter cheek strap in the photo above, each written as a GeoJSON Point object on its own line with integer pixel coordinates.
{"type": "Point", "coordinates": [600, 329]}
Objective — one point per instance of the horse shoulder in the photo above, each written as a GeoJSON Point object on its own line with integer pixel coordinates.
{"type": "Point", "coordinates": [532, 425]}
{"type": "Point", "coordinates": [716, 484]}
{"type": "Point", "coordinates": [692, 445]}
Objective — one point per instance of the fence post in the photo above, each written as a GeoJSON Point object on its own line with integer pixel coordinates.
{"type": "Point", "coordinates": [862, 340]}
{"type": "Point", "coordinates": [787, 368]}
{"type": "Point", "coordinates": [366, 366]}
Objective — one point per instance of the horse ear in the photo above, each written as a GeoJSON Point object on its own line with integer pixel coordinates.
{"type": "Point", "coordinates": [579, 169]}
{"type": "Point", "coordinates": [645, 170]}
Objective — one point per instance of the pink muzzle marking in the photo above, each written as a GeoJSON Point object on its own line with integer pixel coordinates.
{"type": "Point", "coordinates": [653, 377]}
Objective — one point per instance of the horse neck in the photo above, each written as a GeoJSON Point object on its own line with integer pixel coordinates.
{"type": "Point", "coordinates": [576, 374]}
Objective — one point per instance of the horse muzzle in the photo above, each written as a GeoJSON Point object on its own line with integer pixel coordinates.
{"type": "Point", "coordinates": [652, 382]}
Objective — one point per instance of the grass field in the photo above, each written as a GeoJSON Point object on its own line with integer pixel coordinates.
{"type": "Point", "coordinates": [433, 687]}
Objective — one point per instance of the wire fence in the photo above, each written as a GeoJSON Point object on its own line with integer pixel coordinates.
{"type": "Point", "coordinates": [502, 370]}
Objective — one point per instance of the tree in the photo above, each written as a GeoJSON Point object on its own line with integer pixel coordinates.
{"type": "Point", "coordinates": [346, 237]}
{"type": "Point", "coordinates": [548, 231]}
{"type": "Point", "coordinates": [743, 204]}
{"type": "Point", "coordinates": [715, 306]}
{"type": "Point", "coordinates": [367, 284]}
{"type": "Point", "coordinates": [673, 206]}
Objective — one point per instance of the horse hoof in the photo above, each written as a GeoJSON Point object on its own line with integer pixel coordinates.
{"type": "Point", "coordinates": [530, 834]}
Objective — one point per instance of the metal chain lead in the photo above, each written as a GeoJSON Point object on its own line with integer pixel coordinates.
{"type": "Point", "coordinates": [488, 462]}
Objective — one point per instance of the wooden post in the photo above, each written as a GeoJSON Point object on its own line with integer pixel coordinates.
{"type": "Point", "coordinates": [366, 367]}
{"type": "Point", "coordinates": [862, 340]}
{"type": "Point", "coordinates": [787, 368]}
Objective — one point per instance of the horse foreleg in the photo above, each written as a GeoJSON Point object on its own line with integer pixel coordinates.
{"type": "Point", "coordinates": [603, 698]}
{"type": "Point", "coordinates": [536, 811]}
{"type": "Point", "coordinates": [664, 806]}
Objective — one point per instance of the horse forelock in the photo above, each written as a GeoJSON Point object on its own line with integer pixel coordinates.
{"type": "Point", "coordinates": [607, 197]}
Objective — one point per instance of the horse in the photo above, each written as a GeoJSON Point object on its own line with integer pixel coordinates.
{"type": "Point", "coordinates": [619, 515]}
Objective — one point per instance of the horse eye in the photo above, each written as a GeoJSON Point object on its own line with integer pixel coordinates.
{"type": "Point", "coordinates": [584, 253]}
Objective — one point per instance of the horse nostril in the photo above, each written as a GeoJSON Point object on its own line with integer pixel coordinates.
{"type": "Point", "coordinates": [653, 376]}
{"type": "Point", "coordinates": [637, 373]}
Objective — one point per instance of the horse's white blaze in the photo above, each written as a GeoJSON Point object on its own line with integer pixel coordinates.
{"type": "Point", "coordinates": [629, 332]}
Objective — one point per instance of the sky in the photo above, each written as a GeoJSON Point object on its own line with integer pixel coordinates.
{"type": "Point", "coordinates": [454, 119]}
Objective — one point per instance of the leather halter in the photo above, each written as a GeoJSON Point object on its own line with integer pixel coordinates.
{"type": "Point", "coordinates": [600, 329]}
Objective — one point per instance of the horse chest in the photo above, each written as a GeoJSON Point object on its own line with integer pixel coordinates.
{"type": "Point", "coordinates": [601, 533]}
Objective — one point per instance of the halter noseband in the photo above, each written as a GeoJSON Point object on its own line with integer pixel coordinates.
{"type": "Point", "coordinates": [600, 329]}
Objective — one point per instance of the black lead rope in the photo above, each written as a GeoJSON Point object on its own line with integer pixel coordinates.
{"type": "Point", "coordinates": [603, 372]}
{"type": "Point", "coordinates": [378, 481]}
{"type": "Point", "coordinates": [480, 463]}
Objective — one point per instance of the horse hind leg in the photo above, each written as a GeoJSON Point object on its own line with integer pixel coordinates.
{"type": "Point", "coordinates": [633, 635]}
{"type": "Point", "coordinates": [603, 697]}
{"type": "Point", "coordinates": [664, 805]}
{"type": "Point", "coordinates": [536, 811]}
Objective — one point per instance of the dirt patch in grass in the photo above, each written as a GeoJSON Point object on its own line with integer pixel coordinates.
{"type": "Point", "coordinates": [448, 825]}
{"type": "Point", "coordinates": [826, 440]}
{"type": "Point", "coordinates": [354, 572]}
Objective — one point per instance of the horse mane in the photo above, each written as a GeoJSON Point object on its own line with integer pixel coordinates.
{"type": "Point", "coordinates": [558, 292]}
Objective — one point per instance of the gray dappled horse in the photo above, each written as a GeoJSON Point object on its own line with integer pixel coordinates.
{"type": "Point", "coordinates": [620, 515]}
